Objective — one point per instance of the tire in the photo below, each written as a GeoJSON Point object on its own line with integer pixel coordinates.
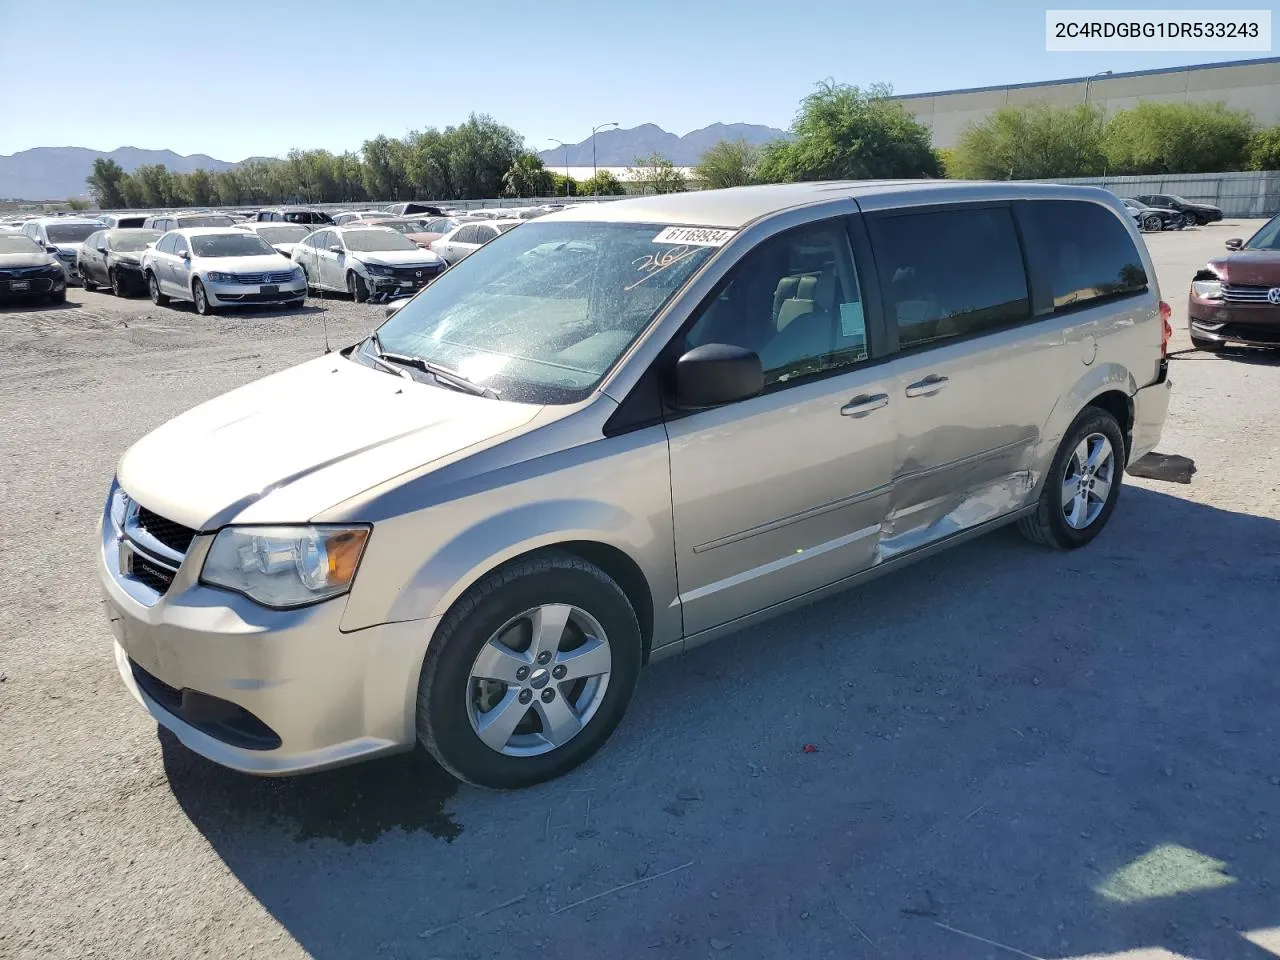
{"type": "Point", "coordinates": [1152, 222]}
{"type": "Point", "coordinates": [295, 304]}
{"type": "Point", "coordinates": [449, 695]}
{"type": "Point", "coordinates": [1051, 524]}
{"type": "Point", "coordinates": [153, 287]}
{"type": "Point", "coordinates": [311, 288]}
{"type": "Point", "coordinates": [85, 282]}
{"type": "Point", "coordinates": [59, 297]}
{"type": "Point", "coordinates": [356, 286]}
{"type": "Point", "coordinates": [1208, 346]}
{"type": "Point", "coordinates": [201, 299]}
{"type": "Point", "coordinates": [117, 283]}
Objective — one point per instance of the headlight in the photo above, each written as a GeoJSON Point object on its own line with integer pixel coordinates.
{"type": "Point", "coordinates": [118, 501]}
{"type": "Point", "coordinates": [216, 276]}
{"type": "Point", "coordinates": [377, 268]}
{"type": "Point", "coordinates": [285, 566]}
{"type": "Point", "coordinates": [126, 259]}
{"type": "Point", "coordinates": [297, 273]}
{"type": "Point", "coordinates": [1207, 289]}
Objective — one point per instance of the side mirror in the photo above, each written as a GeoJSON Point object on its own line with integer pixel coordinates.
{"type": "Point", "coordinates": [335, 248]}
{"type": "Point", "coordinates": [717, 373]}
{"type": "Point", "coordinates": [50, 248]}
{"type": "Point", "coordinates": [102, 248]}
{"type": "Point", "coordinates": [185, 254]}
{"type": "Point", "coordinates": [1235, 243]}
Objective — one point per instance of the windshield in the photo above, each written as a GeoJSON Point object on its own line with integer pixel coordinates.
{"type": "Point", "coordinates": [284, 233]}
{"type": "Point", "coordinates": [406, 226]}
{"type": "Point", "coordinates": [133, 239]}
{"type": "Point", "coordinates": [71, 232]}
{"type": "Point", "coordinates": [1135, 204]}
{"type": "Point", "coordinates": [229, 245]}
{"type": "Point", "coordinates": [18, 244]}
{"type": "Point", "coordinates": [1268, 238]}
{"type": "Point", "coordinates": [207, 220]}
{"type": "Point", "coordinates": [542, 314]}
{"type": "Point", "coordinates": [367, 241]}
{"type": "Point", "coordinates": [1177, 199]}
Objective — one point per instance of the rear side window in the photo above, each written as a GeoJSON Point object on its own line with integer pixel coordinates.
{"type": "Point", "coordinates": [950, 273]}
{"type": "Point", "coordinates": [1084, 249]}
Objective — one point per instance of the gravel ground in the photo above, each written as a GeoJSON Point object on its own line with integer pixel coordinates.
{"type": "Point", "coordinates": [1058, 754]}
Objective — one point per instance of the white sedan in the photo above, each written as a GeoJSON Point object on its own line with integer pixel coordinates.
{"type": "Point", "coordinates": [218, 267]}
{"type": "Point", "coordinates": [366, 261]}
{"type": "Point", "coordinates": [282, 236]}
{"type": "Point", "coordinates": [467, 238]}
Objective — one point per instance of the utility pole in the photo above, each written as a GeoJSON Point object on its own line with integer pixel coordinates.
{"type": "Point", "coordinates": [566, 163]}
{"type": "Point", "coordinates": [595, 185]}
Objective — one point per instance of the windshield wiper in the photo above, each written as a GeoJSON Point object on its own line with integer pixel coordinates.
{"type": "Point", "coordinates": [441, 373]}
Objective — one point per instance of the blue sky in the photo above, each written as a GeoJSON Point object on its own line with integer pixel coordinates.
{"type": "Point", "coordinates": [236, 78]}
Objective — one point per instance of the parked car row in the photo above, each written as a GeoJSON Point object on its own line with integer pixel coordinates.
{"type": "Point", "coordinates": [1236, 298]}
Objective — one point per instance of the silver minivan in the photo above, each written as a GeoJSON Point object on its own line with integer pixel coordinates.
{"type": "Point", "coordinates": [611, 435]}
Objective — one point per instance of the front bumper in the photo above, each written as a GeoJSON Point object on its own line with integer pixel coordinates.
{"type": "Point", "coordinates": [231, 294]}
{"type": "Point", "coordinates": [405, 282]}
{"type": "Point", "coordinates": [70, 272]}
{"type": "Point", "coordinates": [1219, 321]}
{"type": "Point", "coordinates": [261, 691]}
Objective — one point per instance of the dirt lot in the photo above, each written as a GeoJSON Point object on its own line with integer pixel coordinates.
{"type": "Point", "coordinates": [1019, 752]}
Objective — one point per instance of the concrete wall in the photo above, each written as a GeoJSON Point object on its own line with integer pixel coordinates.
{"type": "Point", "coordinates": [1243, 85]}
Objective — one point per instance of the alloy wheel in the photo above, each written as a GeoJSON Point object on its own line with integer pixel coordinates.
{"type": "Point", "coordinates": [1087, 482]}
{"type": "Point", "coordinates": [539, 680]}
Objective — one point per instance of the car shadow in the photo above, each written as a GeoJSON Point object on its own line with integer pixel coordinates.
{"type": "Point", "coordinates": [1064, 753]}
{"type": "Point", "coordinates": [24, 306]}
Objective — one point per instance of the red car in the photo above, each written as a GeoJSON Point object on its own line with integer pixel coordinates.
{"type": "Point", "coordinates": [1236, 298]}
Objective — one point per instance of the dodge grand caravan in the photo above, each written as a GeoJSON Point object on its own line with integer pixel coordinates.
{"type": "Point", "coordinates": [611, 435]}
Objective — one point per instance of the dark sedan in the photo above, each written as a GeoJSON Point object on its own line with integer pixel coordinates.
{"type": "Point", "coordinates": [1236, 298]}
{"type": "Point", "coordinates": [1155, 218]}
{"type": "Point", "coordinates": [29, 272]}
{"type": "Point", "coordinates": [1197, 213]}
{"type": "Point", "coordinates": [112, 258]}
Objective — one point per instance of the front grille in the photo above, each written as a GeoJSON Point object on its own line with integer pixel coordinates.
{"type": "Point", "coordinates": [156, 577]}
{"type": "Point", "coordinates": [1244, 293]}
{"type": "Point", "coordinates": [173, 535]}
{"type": "Point", "coordinates": [260, 278]}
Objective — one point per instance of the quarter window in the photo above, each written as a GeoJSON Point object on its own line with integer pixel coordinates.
{"type": "Point", "coordinates": [1085, 250]}
{"type": "Point", "coordinates": [795, 301]}
{"type": "Point", "coordinates": [950, 273]}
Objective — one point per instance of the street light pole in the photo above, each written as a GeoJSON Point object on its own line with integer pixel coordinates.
{"type": "Point", "coordinates": [595, 184]}
{"type": "Point", "coordinates": [1089, 82]}
{"type": "Point", "coordinates": [566, 163]}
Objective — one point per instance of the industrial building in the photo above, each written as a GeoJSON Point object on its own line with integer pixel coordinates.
{"type": "Point", "coordinates": [1252, 85]}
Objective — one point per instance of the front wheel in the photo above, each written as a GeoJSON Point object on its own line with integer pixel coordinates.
{"type": "Point", "coordinates": [85, 282]}
{"type": "Point", "coordinates": [203, 307]}
{"type": "Point", "coordinates": [153, 287]}
{"type": "Point", "coordinates": [529, 673]}
{"type": "Point", "coordinates": [1082, 484]}
{"type": "Point", "coordinates": [1152, 222]}
{"type": "Point", "coordinates": [117, 283]}
{"type": "Point", "coordinates": [356, 286]}
{"type": "Point", "coordinates": [59, 297]}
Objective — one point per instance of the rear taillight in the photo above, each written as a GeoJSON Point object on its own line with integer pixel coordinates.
{"type": "Point", "coordinates": [1166, 329]}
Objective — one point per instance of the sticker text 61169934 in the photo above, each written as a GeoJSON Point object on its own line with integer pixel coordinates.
{"type": "Point", "coordinates": [694, 236]}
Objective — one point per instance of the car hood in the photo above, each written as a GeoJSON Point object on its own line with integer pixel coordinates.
{"type": "Point", "coordinates": [14, 261]}
{"type": "Point", "coordinates": [1256, 268]}
{"type": "Point", "coordinates": [253, 264]}
{"type": "Point", "coordinates": [400, 258]}
{"type": "Point", "coordinates": [288, 447]}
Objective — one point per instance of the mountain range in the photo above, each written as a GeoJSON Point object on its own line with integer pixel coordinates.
{"type": "Point", "coordinates": [620, 148]}
{"type": "Point", "coordinates": [58, 173]}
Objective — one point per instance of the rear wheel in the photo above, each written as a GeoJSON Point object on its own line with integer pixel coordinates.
{"type": "Point", "coordinates": [153, 287]}
{"type": "Point", "coordinates": [203, 307]}
{"type": "Point", "coordinates": [356, 286]}
{"type": "Point", "coordinates": [1082, 484]}
{"type": "Point", "coordinates": [529, 673]}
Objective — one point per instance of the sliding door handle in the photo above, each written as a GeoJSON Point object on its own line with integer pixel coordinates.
{"type": "Point", "coordinates": [863, 404]}
{"type": "Point", "coordinates": [928, 386]}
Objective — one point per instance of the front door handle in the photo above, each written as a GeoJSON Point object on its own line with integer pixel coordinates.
{"type": "Point", "coordinates": [863, 404]}
{"type": "Point", "coordinates": [928, 386]}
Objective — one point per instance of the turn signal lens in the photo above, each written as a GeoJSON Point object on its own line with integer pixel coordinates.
{"type": "Point", "coordinates": [1166, 330]}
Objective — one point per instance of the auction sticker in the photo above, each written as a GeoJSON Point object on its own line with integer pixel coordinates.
{"type": "Point", "coordinates": [695, 236]}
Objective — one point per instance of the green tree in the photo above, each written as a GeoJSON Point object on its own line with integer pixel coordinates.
{"type": "Point", "coordinates": [1178, 138]}
{"type": "Point", "coordinates": [226, 188]}
{"type": "Point", "coordinates": [656, 172]}
{"type": "Point", "coordinates": [729, 163]}
{"type": "Point", "coordinates": [385, 173]}
{"type": "Point", "coordinates": [527, 177]}
{"type": "Point", "coordinates": [562, 186]}
{"type": "Point", "coordinates": [603, 184]}
{"type": "Point", "coordinates": [483, 152]}
{"type": "Point", "coordinates": [155, 184]}
{"type": "Point", "coordinates": [106, 183]}
{"type": "Point", "coordinates": [846, 133]}
{"type": "Point", "coordinates": [1034, 141]}
{"type": "Point", "coordinates": [78, 203]}
{"type": "Point", "coordinates": [1264, 149]}
{"type": "Point", "coordinates": [131, 190]}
